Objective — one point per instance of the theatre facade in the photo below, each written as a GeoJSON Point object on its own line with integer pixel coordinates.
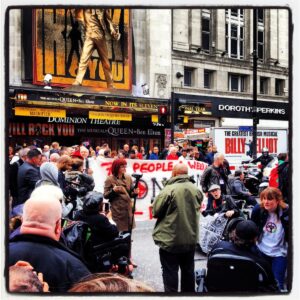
{"type": "Point", "coordinates": [202, 69]}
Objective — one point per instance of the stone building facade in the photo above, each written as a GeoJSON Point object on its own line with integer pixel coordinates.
{"type": "Point", "coordinates": [202, 53]}
{"type": "Point", "coordinates": [208, 52]}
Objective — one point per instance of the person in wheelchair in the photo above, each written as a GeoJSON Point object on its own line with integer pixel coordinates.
{"type": "Point", "coordinates": [238, 265]}
{"type": "Point", "coordinates": [239, 191]}
{"type": "Point", "coordinates": [221, 204]}
{"type": "Point", "coordinates": [102, 229]}
{"type": "Point", "coordinates": [103, 233]}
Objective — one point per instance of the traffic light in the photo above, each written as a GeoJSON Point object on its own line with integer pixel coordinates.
{"type": "Point", "coordinates": [162, 109]}
{"type": "Point", "coordinates": [178, 112]}
{"type": "Point", "coordinates": [162, 114]}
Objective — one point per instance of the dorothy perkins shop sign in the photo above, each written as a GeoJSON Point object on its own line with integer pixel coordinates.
{"type": "Point", "coordinates": [242, 108]}
{"type": "Point", "coordinates": [238, 108]}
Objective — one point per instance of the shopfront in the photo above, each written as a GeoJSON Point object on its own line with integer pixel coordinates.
{"type": "Point", "coordinates": [206, 109]}
{"type": "Point", "coordinates": [46, 117]}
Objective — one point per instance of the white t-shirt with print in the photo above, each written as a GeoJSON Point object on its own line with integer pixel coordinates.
{"type": "Point", "coordinates": [272, 240]}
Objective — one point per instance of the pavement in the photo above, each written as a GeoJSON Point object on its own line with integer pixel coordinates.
{"type": "Point", "coordinates": [145, 255]}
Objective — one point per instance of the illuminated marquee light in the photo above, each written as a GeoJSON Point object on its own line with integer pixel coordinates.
{"type": "Point", "coordinates": [110, 116]}
{"type": "Point", "coordinates": [39, 112]}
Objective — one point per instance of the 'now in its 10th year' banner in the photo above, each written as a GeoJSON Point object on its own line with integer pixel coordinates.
{"type": "Point", "coordinates": [154, 173]}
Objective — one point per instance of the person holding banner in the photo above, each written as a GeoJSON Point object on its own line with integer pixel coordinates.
{"type": "Point", "coordinates": [118, 189]}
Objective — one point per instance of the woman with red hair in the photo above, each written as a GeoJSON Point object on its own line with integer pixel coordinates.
{"type": "Point", "coordinates": [118, 188]}
{"type": "Point", "coordinates": [272, 218]}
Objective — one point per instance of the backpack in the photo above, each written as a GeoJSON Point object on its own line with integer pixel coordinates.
{"type": "Point", "coordinates": [76, 235]}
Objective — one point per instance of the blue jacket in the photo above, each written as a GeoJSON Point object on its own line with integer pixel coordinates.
{"type": "Point", "coordinates": [60, 266]}
{"type": "Point", "coordinates": [153, 156]}
{"type": "Point", "coordinates": [238, 188]}
{"type": "Point", "coordinates": [260, 216]}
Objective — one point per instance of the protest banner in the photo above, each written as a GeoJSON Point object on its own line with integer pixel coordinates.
{"type": "Point", "coordinates": [155, 172]}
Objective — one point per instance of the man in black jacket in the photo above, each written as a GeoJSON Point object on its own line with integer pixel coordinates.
{"type": "Point", "coordinates": [13, 174]}
{"type": "Point", "coordinates": [38, 243]}
{"type": "Point", "coordinates": [264, 159]}
{"type": "Point", "coordinates": [215, 174]}
{"type": "Point", "coordinates": [28, 175]}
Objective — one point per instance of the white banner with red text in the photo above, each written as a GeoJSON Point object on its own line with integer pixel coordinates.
{"type": "Point", "coordinates": [154, 173]}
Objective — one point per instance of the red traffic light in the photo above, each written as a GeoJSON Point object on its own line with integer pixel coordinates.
{"type": "Point", "coordinates": [162, 109]}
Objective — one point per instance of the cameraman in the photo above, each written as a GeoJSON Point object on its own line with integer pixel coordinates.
{"type": "Point", "coordinates": [93, 213]}
{"type": "Point", "coordinates": [78, 184]}
{"type": "Point", "coordinates": [103, 231]}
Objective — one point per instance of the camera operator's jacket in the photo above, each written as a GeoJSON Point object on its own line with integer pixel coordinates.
{"type": "Point", "coordinates": [177, 209]}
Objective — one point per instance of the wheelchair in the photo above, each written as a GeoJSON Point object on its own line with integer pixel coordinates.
{"type": "Point", "coordinates": [104, 257]}
{"type": "Point", "coordinates": [230, 273]}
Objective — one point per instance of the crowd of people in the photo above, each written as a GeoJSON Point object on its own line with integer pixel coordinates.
{"type": "Point", "coordinates": [52, 184]}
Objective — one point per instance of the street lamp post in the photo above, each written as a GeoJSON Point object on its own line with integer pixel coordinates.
{"type": "Point", "coordinates": [254, 104]}
{"type": "Point", "coordinates": [172, 117]}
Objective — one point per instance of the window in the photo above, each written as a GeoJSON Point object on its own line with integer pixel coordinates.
{"type": "Point", "coordinates": [264, 85]}
{"type": "Point", "coordinates": [260, 45]}
{"type": "Point", "coordinates": [205, 34]}
{"type": "Point", "coordinates": [260, 34]}
{"type": "Point", "coordinates": [279, 87]}
{"type": "Point", "coordinates": [208, 79]}
{"type": "Point", "coordinates": [188, 76]}
{"type": "Point", "coordinates": [260, 15]}
{"type": "Point", "coordinates": [237, 13]}
{"type": "Point", "coordinates": [235, 33]}
{"type": "Point", "coordinates": [234, 12]}
{"type": "Point", "coordinates": [237, 83]}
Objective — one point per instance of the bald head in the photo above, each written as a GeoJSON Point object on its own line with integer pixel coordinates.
{"type": "Point", "coordinates": [179, 169]}
{"type": "Point", "coordinates": [54, 157]}
{"type": "Point", "coordinates": [84, 152]}
{"type": "Point", "coordinates": [64, 163]}
{"type": "Point", "coordinates": [218, 159]}
{"type": "Point", "coordinates": [42, 212]}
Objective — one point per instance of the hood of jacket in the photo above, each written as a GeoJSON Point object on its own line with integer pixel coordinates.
{"type": "Point", "coordinates": [49, 172]}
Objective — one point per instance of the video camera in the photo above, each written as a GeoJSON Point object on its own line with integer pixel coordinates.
{"type": "Point", "coordinates": [137, 177]}
{"type": "Point", "coordinates": [79, 185]}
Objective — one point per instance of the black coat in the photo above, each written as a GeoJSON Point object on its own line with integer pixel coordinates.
{"type": "Point", "coordinates": [213, 175]}
{"type": "Point", "coordinates": [60, 266]}
{"type": "Point", "coordinates": [222, 205]}
{"type": "Point", "coordinates": [283, 180]}
{"type": "Point", "coordinates": [28, 175]}
{"type": "Point", "coordinates": [101, 229]}
{"type": "Point", "coordinates": [264, 160]}
{"type": "Point", "coordinates": [13, 177]}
